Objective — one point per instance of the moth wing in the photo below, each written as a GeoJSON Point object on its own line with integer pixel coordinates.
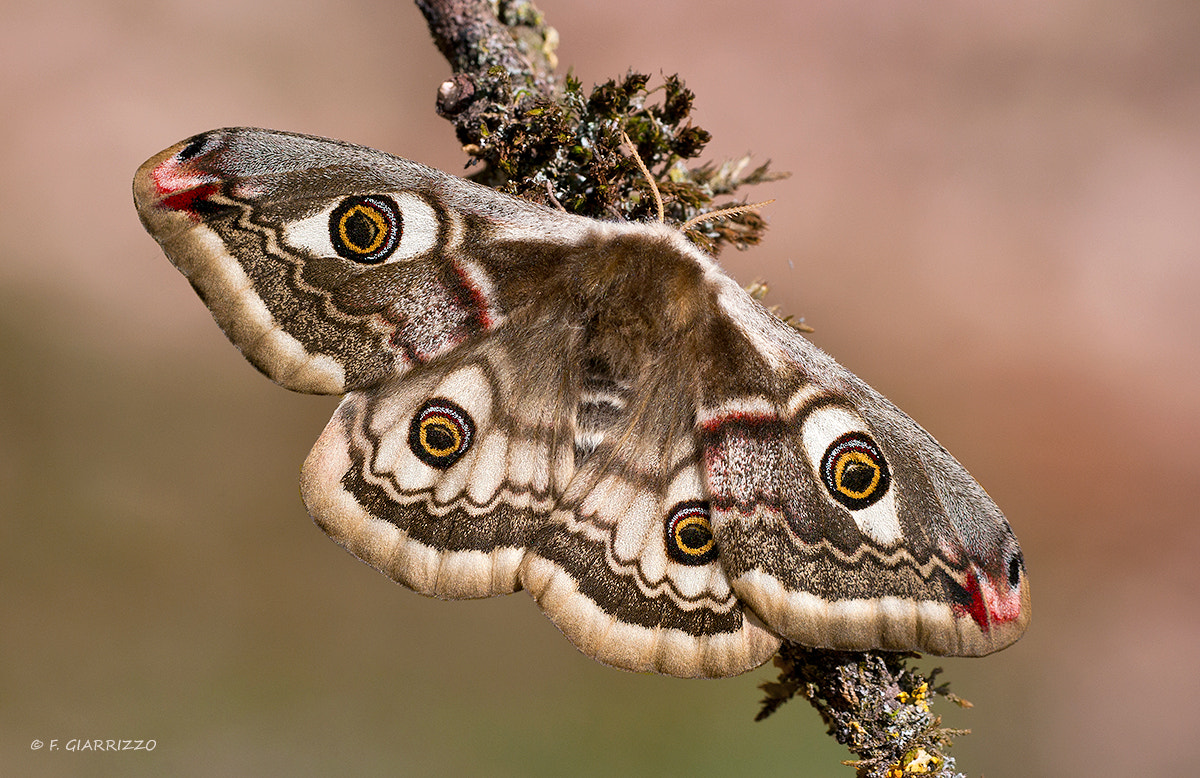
{"type": "Point", "coordinates": [467, 458]}
{"type": "Point", "coordinates": [843, 524]}
{"type": "Point", "coordinates": [440, 478]}
{"type": "Point", "coordinates": [626, 567]}
{"type": "Point", "coordinates": [332, 267]}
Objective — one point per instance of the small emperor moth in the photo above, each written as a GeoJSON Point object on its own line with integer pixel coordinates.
{"type": "Point", "coordinates": [592, 411]}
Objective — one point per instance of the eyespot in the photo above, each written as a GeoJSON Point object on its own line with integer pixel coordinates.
{"type": "Point", "coordinates": [854, 471]}
{"type": "Point", "coordinates": [440, 433]}
{"type": "Point", "coordinates": [1015, 566]}
{"type": "Point", "coordinates": [690, 539]}
{"type": "Point", "coordinates": [366, 229]}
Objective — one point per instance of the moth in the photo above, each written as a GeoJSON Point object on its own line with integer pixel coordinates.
{"type": "Point", "coordinates": [591, 411]}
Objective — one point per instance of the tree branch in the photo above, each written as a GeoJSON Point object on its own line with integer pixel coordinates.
{"type": "Point", "coordinates": [873, 704]}
{"type": "Point", "coordinates": [550, 142]}
{"type": "Point", "coordinates": [547, 141]}
{"type": "Point", "coordinates": [498, 61]}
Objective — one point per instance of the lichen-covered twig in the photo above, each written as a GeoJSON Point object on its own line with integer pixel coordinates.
{"type": "Point", "coordinates": [874, 704]}
{"type": "Point", "coordinates": [552, 142]}
{"type": "Point", "coordinates": [549, 141]}
{"type": "Point", "coordinates": [502, 56]}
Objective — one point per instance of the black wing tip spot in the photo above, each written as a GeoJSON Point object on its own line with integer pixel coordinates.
{"type": "Point", "coordinates": [194, 148]}
{"type": "Point", "coordinates": [1016, 566]}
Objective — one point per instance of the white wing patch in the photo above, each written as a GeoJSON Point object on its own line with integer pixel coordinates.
{"type": "Point", "coordinates": [878, 521]}
{"type": "Point", "coordinates": [418, 233]}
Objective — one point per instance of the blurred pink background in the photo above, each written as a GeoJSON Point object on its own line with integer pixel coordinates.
{"type": "Point", "coordinates": [992, 218]}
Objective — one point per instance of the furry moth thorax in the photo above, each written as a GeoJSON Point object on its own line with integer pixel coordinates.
{"type": "Point", "coordinates": [588, 410]}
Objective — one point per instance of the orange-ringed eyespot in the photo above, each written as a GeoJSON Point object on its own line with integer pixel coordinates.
{"type": "Point", "coordinates": [366, 229]}
{"type": "Point", "coordinates": [854, 471]}
{"type": "Point", "coordinates": [690, 538]}
{"type": "Point", "coordinates": [440, 433]}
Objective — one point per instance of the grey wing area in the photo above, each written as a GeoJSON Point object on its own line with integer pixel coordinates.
{"type": "Point", "coordinates": [332, 266]}
{"type": "Point", "coordinates": [842, 523]}
{"type": "Point", "coordinates": [441, 479]}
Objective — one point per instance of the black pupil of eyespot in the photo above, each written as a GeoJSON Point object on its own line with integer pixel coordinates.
{"type": "Point", "coordinates": [440, 433]}
{"type": "Point", "coordinates": [689, 535]}
{"type": "Point", "coordinates": [439, 436]}
{"type": "Point", "coordinates": [854, 471]}
{"type": "Point", "coordinates": [361, 230]}
{"type": "Point", "coordinates": [857, 476]}
{"type": "Point", "coordinates": [694, 536]}
{"type": "Point", "coordinates": [365, 229]}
